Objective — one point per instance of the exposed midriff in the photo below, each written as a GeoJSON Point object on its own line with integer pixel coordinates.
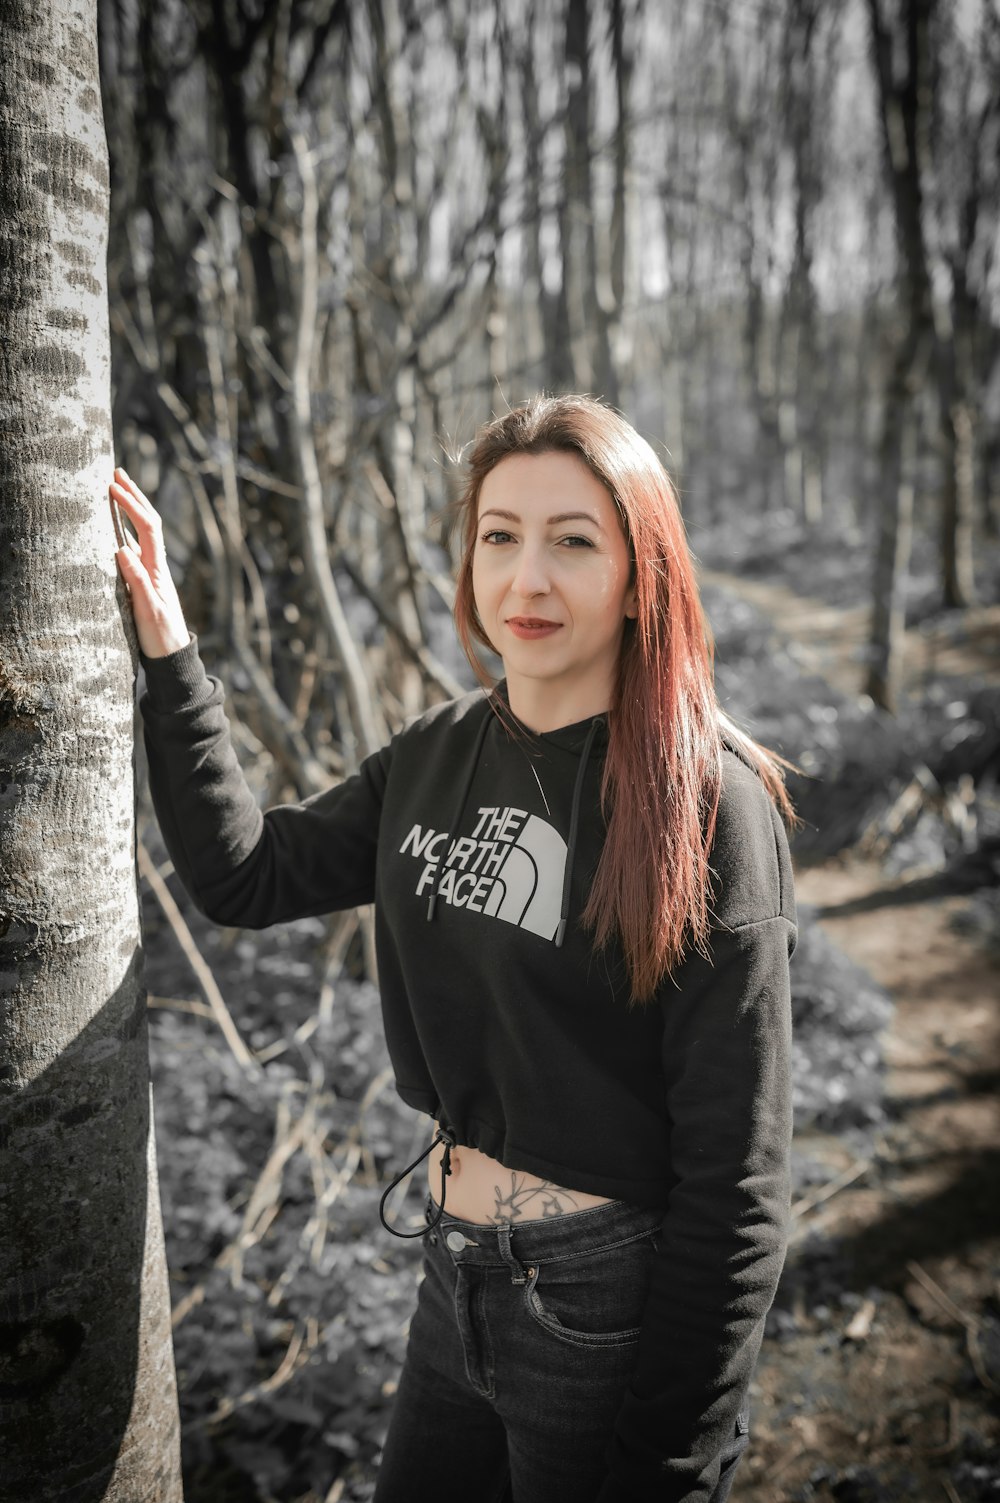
{"type": "Point", "coordinates": [483, 1190]}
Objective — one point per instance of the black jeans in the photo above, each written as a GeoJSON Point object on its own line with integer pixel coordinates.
{"type": "Point", "coordinates": [520, 1350]}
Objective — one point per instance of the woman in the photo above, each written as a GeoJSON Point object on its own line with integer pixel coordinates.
{"type": "Point", "coordinates": [584, 916]}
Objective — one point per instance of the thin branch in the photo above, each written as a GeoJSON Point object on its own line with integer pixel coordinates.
{"type": "Point", "coordinates": [370, 733]}
{"type": "Point", "coordinates": [970, 1322]}
{"type": "Point", "coordinates": [433, 669]}
{"type": "Point", "coordinates": [847, 1177]}
{"type": "Point", "coordinates": [196, 960]}
{"type": "Point", "coordinates": [285, 739]}
{"type": "Point", "coordinates": [304, 1338]}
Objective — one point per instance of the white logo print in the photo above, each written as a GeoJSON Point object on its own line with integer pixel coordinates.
{"type": "Point", "coordinates": [511, 867]}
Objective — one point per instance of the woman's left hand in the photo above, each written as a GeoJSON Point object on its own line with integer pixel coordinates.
{"type": "Point", "coordinates": [156, 606]}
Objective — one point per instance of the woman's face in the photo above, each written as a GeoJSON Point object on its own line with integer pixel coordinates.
{"type": "Point", "coordinates": [550, 579]}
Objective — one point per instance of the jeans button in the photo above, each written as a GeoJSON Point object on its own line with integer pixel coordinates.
{"type": "Point", "coordinates": [455, 1241]}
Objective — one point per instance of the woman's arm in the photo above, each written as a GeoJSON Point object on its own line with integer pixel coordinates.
{"type": "Point", "coordinates": [239, 866]}
{"type": "Point", "coordinates": [727, 1070]}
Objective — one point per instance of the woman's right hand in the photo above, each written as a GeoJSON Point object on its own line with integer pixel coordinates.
{"type": "Point", "coordinates": [159, 619]}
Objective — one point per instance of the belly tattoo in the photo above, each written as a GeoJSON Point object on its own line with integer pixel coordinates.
{"type": "Point", "coordinates": [527, 1196]}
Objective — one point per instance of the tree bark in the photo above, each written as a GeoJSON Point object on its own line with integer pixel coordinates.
{"type": "Point", "coordinates": [553, 325]}
{"type": "Point", "coordinates": [903, 108]}
{"type": "Point", "coordinates": [957, 503]}
{"type": "Point", "coordinates": [88, 1404]}
{"type": "Point", "coordinates": [801, 378]}
{"type": "Point", "coordinates": [895, 533]}
{"type": "Point", "coordinates": [587, 320]}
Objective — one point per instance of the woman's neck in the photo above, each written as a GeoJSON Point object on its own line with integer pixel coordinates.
{"type": "Point", "coordinates": [541, 707]}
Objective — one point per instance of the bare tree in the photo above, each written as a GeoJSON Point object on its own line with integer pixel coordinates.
{"type": "Point", "coordinates": [808, 79]}
{"type": "Point", "coordinates": [903, 103]}
{"type": "Point", "coordinates": [583, 319]}
{"type": "Point", "coordinates": [88, 1407]}
{"type": "Point", "coordinates": [965, 193]}
{"type": "Point", "coordinates": [622, 227]}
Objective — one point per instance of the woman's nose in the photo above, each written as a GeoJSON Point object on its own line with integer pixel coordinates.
{"type": "Point", "coordinates": [531, 576]}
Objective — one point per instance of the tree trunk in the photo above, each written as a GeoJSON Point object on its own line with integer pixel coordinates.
{"type": "Point", "coordinates": [903, 106]}
{"type": "Point", "coordinates": [623, 207]}
{"type": "Point", "coordinates": [588, 320]}
{"type": "Point", "coordinates": [88, 1404]}
{"type": "Point", "coordinates": [892, 553]}
{"type": "Point", "coordinates": [958, 415]}
{"type": "Point", "coordinates": [555, 366]}
{"type": "Point", "coordinates": [957, 505]}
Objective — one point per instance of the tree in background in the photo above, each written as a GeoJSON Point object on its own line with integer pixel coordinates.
{"type": "Point", "coordinates": [682, 208]}
{"type": "Point", "coordinates": [938, 88]}
{"type": "Point", "coordinates": [88, 1406]}
{"type": "Point", "coordinates": [904, 115]}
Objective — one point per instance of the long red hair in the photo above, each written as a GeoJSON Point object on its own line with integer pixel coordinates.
{"type": "Point", "coordinates": [663, 771]}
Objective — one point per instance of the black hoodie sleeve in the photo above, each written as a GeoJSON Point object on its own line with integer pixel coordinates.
{"type": "Point", "coordinates": [241, 866]}
{"type": "Point", "coordinates": [727, 1070]}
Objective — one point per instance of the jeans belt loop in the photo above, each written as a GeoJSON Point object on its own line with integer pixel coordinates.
{"type": "Point", "coordinates": [517, 1275]}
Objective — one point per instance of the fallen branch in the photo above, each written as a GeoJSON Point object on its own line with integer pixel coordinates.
{"type": "Point", "coordinates": [303, 1341]}
{"type": "Point", "coordinates": [953, 1436]}
{"type": "Point", "coordinates": [180, 1004]}
{"type": "Point", "coordinates": [264, 1202]}
{"type": "Point", "coordinates": [313, 1236]}
{"type": "Point", "coordinates": [197, 962]}
{"type": "Point", "coordinates": [970, 1322]}
{"type": "Point", "coordinates": [847, 1177]}
{"type": "Point", "coordinates": [261, 1207]}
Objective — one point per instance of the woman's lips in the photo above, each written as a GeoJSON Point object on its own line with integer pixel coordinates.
{"type": "Point", "coordinates": [530, 627]}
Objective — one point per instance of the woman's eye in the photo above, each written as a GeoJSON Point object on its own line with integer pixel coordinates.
{"type": "Point", "coordinates": [497, 536]}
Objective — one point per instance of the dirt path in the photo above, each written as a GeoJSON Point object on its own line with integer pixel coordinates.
{"type": "Point", "coordinates": [832, 640]}
{"type": "Point", "coordinates": [880, 1377]}
{"type": "Point", "coordinates": [871, 1369]}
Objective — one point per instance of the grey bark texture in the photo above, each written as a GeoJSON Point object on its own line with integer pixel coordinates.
{"type": "Point", "coordinates": [903, 108]}
{"type": "Point", "coordinates": [88, 1405]}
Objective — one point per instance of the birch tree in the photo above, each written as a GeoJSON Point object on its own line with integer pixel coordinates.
{"type": "Point", "coordinates": [88, 1406]}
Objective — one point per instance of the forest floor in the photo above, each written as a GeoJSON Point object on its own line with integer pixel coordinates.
{"type": "Point", "coordinates": [880, 1374]}
{"type": "Point", "coordinates": [830, 639]}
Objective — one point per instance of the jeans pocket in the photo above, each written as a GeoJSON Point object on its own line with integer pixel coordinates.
{"type": "Point", "coordinates": [596, 1299]}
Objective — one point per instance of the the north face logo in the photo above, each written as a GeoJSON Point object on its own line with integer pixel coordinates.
{"type": "Point", "coordinates": [511, 867]}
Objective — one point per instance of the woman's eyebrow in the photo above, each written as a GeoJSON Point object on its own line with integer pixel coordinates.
{"type": "Point", "coordinates": [560, 516]}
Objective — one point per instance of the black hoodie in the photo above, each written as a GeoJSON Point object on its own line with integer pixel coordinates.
{"type": "Point", "coordinates": [505, 1025]}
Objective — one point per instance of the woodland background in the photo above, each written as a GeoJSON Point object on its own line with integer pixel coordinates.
{"type": "Point", "coordinates": [345, 232]}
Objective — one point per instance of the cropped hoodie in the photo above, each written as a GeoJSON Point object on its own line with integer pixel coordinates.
{"type": "Point", "coordinates": [478, 848]}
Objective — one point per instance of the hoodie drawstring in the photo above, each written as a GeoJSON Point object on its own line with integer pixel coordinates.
{"type": "Point", "coordinates": [447, 1137]}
